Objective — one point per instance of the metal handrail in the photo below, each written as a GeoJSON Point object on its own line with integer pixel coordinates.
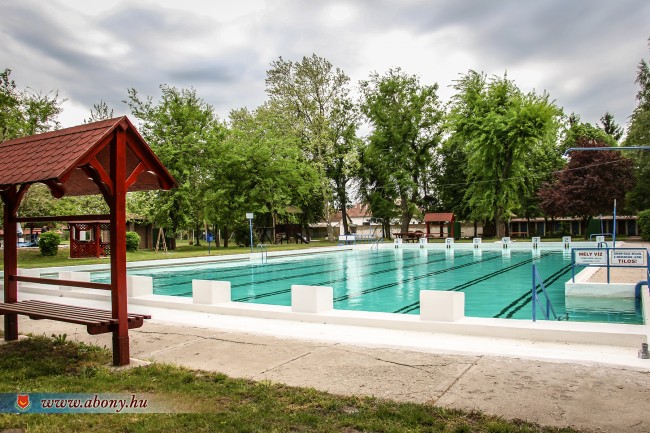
{"type": "Point", "coordinates": [535, 298]}
{"type": "Point", "coordinates": [264, 251]}
{"type": "Point", "coordinates": [600, 234]}
{"type": "Point", "coordinates": [376, 244]}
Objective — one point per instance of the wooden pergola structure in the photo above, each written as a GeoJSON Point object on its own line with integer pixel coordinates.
{"type": "Point", "coordinates": [108, 157]}
{"type": "Point", "coordinates": [440, 218]}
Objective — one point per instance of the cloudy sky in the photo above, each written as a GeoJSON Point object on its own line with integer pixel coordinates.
{"type": "Point", "coordinates": [583, 52]}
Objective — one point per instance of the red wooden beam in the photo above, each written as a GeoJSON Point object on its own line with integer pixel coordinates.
{"type": "Point", "coordinates": [134, 174]}
{"type": "Point", "coordinates": [121, 355]}
{"type": "Point", "coordinates": [11, 197]}
{"type": "Point", "coordinates": [42, 219]}
{"type": "Point", "coordinates": [57, 282]}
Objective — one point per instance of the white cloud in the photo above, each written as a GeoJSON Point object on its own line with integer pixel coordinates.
{"type": "Point", "coordinates": [583, 52]}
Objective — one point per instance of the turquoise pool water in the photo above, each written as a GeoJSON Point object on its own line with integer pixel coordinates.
{"type": "Point", "coordinates": [390, 281]}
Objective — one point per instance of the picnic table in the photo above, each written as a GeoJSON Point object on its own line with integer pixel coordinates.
{"type": "Point", "coordinates": [409, 236]}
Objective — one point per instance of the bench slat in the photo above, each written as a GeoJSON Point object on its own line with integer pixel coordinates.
{"type": "Point", "coordinates": [74, 310]}
{"type": "Point", "coordinates": [37, 314]}
{"type": "Point", "coordinates": [97, 321]}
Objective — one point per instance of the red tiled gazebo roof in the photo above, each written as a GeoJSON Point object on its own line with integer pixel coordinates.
{"type": "Point", "coordinates": [441, 217]}
{"type": "Point", "coordinates": [65, 158]}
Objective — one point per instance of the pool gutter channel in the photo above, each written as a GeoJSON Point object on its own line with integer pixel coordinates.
{"type": "Point", "coordinates": [619, 335]}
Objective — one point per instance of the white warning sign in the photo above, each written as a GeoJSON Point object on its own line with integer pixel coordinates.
{"type": "Point", "coordinates": [628, 257]}
{"type": "Point", "coordinates": [591, 257]}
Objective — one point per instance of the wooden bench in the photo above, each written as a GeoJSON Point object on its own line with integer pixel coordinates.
{"type": "Point", "coordinates": [96, 320]}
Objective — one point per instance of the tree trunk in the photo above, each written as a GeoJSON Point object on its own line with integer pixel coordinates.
{"type": "Point", "coordinates": [500, 228]}
{"type": "Point", "coordinates": [197, 237]}
{"type": "Point", "coordinates": [274, 221]}
{"type": "Point", "coordinates": [406, 216]}
{"type": "Point", "coordinates": [475, 229]}
{"type": "Point", "coordinates": [225, 237]}
{"type": "Point", "coordinates": [344, 220]}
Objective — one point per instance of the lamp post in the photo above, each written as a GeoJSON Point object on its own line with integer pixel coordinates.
{"type": "Point", "coordinates": [249, 216]}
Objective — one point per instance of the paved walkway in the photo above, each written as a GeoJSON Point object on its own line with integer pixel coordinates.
{"type": "Point", "coordinates": [602, 398]}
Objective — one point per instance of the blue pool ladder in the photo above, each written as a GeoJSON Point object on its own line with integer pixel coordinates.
{"type": "Point", "coordinates": [536, 301]}
{"type": "Point", "coordinates": [376, 244]}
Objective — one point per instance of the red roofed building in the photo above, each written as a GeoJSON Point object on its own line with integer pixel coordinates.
{"type": "Point", "coordinates": [440, 218]}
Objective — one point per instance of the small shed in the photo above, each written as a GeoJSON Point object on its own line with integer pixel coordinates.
{"type": "Point", "coordinates": [108, 157]}
{"type": "Point", "coordinates": [440, 218]}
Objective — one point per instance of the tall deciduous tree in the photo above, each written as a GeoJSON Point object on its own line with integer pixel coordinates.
{"type": "Point", "coordinates": [314, 97]}
{"type": "Point", "coordinates": [406, 121]}
{"type": "Point", "coordinates": [260, 168]}
{"type": "Point", "coordinates": [503, 130]}
{"type": "Point", "coordinates": [184, 132]}
{"type": "Point", "coordinates": [451, 179]}
{"type": "Point", "coordinates": [25, 111]}
{"type": "Point", "coordinates": [100, 111]}
{"type": "Point", "coordinates": [610, 127]}
{"type": "Point", "coordinates": [638, 134]}
{"type": "Point", "coordinates": [589, 184]}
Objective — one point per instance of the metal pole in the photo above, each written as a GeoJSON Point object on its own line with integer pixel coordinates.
{"type": "Point", "coordinates": [250, 223]}
{"type": "Point", "coordinates": [532, 298]}
{"type": "Point", "coordinates": [614, 228]}
{"type": "Point", "coordinates": [608, 264]}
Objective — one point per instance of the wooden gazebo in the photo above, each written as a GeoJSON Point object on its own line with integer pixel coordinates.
{"type": "Point", "coordinates": [108, 157]}
{"type": "Point", "coordinates": [440, 218]}
{"type": "Point", "coordinates": [96, 245]}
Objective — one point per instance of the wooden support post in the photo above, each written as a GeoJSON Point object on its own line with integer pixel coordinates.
{"type": "Point", "coordinates": [97, 236]}
{"type": "Point", "coordinates": [11, 198]}
{"type": "Point", "coordinates": [121, 355]}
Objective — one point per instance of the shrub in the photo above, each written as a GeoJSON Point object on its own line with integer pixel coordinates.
{"type": "Point", "coordinates": [49, 243]}
{"type": "Point", "coordinates": [132, 241]}
{"type": "Point", "coordinates": [243, 237]}
{"type": "Point", "coordinates": [644, 224]}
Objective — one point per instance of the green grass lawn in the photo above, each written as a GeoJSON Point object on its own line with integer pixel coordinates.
{"type": "Point", "coordinates": [32, 258]}
{"type": "Point", "coordinates": [217, 402]}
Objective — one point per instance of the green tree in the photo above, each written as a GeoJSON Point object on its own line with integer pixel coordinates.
{"type": "Point", "coordinates": [260, 168]}
{"type": "Point", "coordinates": [406, 120]}
{"type": "Point", "coordinates": [638, 134]}
{"type": "Point", "coordinates": [504, 131]}
{"type": "Point", "coordinates": [25, 111]}
{"type": "Point", "coordinates": [610, 127]}
{"type": "Point", "coordinates": [590, 183]}
{"type": "Point", "coordinates": [99, 112]}
{"type": "Point", "coordinates": [184, 132]}
{"type": "Point", "coordinates": [314, 98]}
{"type": "Point", "coordinates": [451, 179]}
{"type": "Point", "coordinates": [39, 202]}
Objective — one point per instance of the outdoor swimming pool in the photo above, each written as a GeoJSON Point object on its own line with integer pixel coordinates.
{"type": "Point", "coordinates": [389, 280]}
